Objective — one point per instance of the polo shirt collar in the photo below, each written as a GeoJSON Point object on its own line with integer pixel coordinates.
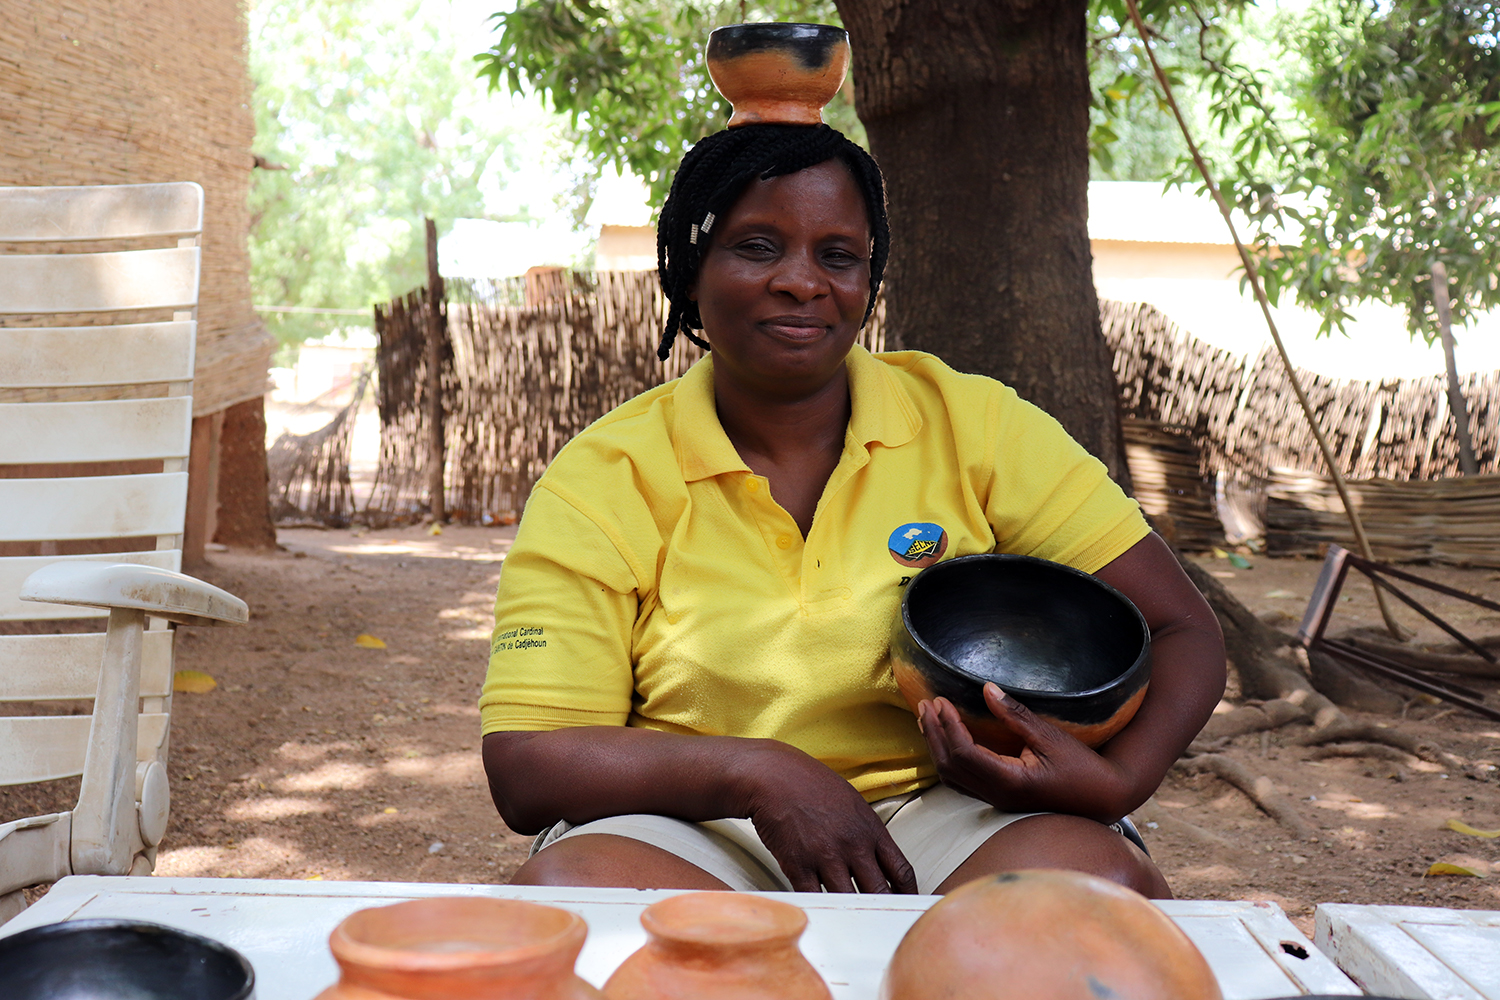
{"type": "Point", "coordinates": [703, 449]}
{"type": "Point", "coordinates": [883, 411]}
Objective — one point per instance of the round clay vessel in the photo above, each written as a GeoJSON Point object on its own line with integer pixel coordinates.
{"type": "Point", "coordinates": [111, 958]}
{"type": "Point", "coordinates": [778, 72]}
{"type": "Point", "coordinates": [459, 949]}
{"type": "Point", "coordinates": [1063, 643]}
{"type": "Point", "coordinates": [719, 945]}
{"type": "Point", "coordinates": [1046, 935]}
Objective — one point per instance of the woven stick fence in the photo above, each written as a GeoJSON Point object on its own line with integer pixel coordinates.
{"type": "Point", "coordinates": [309, 473]}
{"type": "Point", "coordinates": [1395, 441]}
{"type": "Point", "coordinates": [1242, 413]}
{"type": "Point", "coordinates": [531, 362]}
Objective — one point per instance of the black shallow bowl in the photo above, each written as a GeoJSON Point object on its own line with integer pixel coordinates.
{"type": "Point", "coordinates": [1063, 643]}
{"type": "Point", "coordinates": [112, 959]}
{"type": "Point", "coordinates": [777, 72]}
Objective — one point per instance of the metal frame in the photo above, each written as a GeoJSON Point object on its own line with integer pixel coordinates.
{"type": "Point", "coordinates": [1325, 596]}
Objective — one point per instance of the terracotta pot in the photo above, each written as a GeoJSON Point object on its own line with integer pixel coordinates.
{"type": "Point", "coordinates": [458, 949]}
{"type": "Point", "coordinates": [719, 946]}
{"type": "Point", "coordinates": [776, 72]}
{"type": "Point", "coordinates": [1063, 643]}
{"type": "Point", "coordinates": [1046, 935]}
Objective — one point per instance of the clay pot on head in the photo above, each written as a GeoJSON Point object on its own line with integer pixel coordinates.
{"type": "Point", "coordinates": [459, 949]}
{"type": "Point", "coordinates": [1046, 935]}
{"type": "Point", "coordinates": [775, 72]}
{"type": "Point", "coordinates": [1063, 643]}
{"type": "Point", "coordinates": [719, 945]}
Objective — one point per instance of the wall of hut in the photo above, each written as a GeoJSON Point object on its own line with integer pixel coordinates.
{"type": "Point", "coordinates": [139, 91]}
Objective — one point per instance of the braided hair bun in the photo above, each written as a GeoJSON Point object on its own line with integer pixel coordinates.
{"type": "Point", "coordinates": [711, 178]}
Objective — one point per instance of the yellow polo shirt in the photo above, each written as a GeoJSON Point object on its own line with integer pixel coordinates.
{"type": "Point", "coordinates": [654, 582]}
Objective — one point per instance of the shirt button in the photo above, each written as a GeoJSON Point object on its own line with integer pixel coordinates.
{"type": "Point", "coordinates": [784, 542]}
{"type": "Point", "coordinates": [752, 485]}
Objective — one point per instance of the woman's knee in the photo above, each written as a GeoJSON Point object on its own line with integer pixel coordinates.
{"type": "Point", "coordinates": [1067, 842]}
{"type": "Point", "coordinates": [606, 861]}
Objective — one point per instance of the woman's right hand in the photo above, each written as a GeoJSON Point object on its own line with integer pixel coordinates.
{"type": "Point", "coordinates": [820, 830]}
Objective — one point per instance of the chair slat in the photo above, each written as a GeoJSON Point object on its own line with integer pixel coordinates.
{"type": "Point", "coordinates": [104, 212]}
{"type": "Point", "coordinates": [93, 507]}
{"type": "Point", "coordinates": [136, 354]}
{"type": "Point", "coordinates": [14, 571]}
{"type": "Point", "coordinates": [48, 747]}
{"type": "Point", "coordinates": [64, 667]}
{"type": "Point", "coordinates": [115, 430]}
{"type": "Point", "coordinates": [99, 282]}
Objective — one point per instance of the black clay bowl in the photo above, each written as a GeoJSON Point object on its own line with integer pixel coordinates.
{"type": "Point", "coordinates": [778, 72]}
{"type": "Point", "coordinates": [120, 960]}
{"type": "Point", "coordinates": [1066, 645]}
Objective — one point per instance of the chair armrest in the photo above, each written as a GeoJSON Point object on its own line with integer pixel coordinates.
{"type": "Point", "coordinates": [159, 592]}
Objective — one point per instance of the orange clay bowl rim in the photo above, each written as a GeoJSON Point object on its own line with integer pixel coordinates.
{"type": "Point", "coordinates": [399, 958]}
{"type": "Point", "coordinates": [784, 920]}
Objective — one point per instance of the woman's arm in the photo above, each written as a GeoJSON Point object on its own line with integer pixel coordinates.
{"type": "Point", "coordinates": [1056, 772]}
{"type": "Point", "coordinates": [814, 823]}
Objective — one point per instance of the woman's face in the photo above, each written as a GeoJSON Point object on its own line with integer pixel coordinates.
{"type": "Point", "coordinates": [786, 280]}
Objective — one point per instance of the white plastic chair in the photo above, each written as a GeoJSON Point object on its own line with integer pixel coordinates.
{"type": "Point", "coordinates": [47, 376]}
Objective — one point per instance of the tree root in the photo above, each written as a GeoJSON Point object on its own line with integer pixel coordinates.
{"type": "Point", "coordinates": [1273, 714]}
{"type": "Point", "coordinates": [1355, 733]}
{"type": "Point", "coordinates": [1377, 750]}
{"type": "Point", "coordinates": [1267, 668]}
{"type": "Point", "coordinates": [1151, 811]}
{"type": "Point", "coordinates": [1258, 789]}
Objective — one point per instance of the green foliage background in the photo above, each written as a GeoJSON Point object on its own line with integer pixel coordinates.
{"type": "Point", "coordinates": [371, 108]}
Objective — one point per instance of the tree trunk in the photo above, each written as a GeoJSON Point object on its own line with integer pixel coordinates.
{"type": "Point", "coordinates": [1456, 404]}
{"type": "Point", "coordinates": [978, 115]}
{"type": "Point", "coordinates": [244, 520]}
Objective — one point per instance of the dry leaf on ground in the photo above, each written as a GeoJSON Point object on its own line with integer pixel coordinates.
{"type": "Point", "coordinates": [1462, 827]}
{"type": "Point", "coordinates": [193, 682]}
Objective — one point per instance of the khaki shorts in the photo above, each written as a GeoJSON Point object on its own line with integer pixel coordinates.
{"type": "Point", "coordinates": [937, 829]}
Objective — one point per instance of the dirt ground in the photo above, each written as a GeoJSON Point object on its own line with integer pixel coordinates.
{"type": "Point", "coordinates": [317, 758]}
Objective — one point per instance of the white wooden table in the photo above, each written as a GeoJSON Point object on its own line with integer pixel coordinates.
{"type": "Point", "coordinates": [1414, 951]}
{"type": "Point", "coordinates": [282, 927]}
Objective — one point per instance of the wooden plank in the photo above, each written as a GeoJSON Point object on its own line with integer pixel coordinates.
{"type": "Point", "coordinates": [132, 354]}
{"type": "Point", "coordinates": [64, 667]}
{"type": "Point", "coordinates": [47, 747]}
{"type": "Point", "coordinates": [282, 927]}
{"type": "Point", "coordinates": [115, 430]}
{"type": "Point", "coordinates": [99, 282]}
{"type": "Point", "coordinates": [99, 212]}
{"type": "Point", "coordinates": [1271, 957]}
{"type": "Point", "coordinates": [93, 507]}
{"type": "Point", "coordinates": [1419, 952]}
{"type": "Point", "coordinates": [15, 570]}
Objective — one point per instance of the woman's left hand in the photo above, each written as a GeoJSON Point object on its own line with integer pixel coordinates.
{"type": "Point", "coordinates": [1053, 773]}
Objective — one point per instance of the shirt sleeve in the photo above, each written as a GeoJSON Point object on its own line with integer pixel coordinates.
{"type": "Point", "coordinates": [1050, 498]}
{"type": "Point", "coordinates": [564, 612]}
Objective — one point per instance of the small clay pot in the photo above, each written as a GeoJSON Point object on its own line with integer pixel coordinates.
{"type": "Point", "coordinates": [459, 949]}
{"type": "Point", "coordinates": [719, 945]}
{"type": "Point", "coordinates": [778, 72]}
{"type": "Point", "coordinates": [1046, 935]}
{"type": "Point", "coordinates": [1063, 643]}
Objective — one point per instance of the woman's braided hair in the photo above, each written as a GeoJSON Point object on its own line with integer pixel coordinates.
{"type": "Point", "coordinates": [710, 180]}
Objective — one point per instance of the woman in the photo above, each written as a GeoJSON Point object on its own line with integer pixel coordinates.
{"type": "Point", "coordinates": [689, 685]}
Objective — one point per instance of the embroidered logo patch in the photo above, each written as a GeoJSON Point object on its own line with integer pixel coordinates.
{"type": "Point", "coordinates": [918, 543]}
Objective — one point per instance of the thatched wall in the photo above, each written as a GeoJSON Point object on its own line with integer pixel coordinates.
{"type": "Point", "coordinates": [136, 91]}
